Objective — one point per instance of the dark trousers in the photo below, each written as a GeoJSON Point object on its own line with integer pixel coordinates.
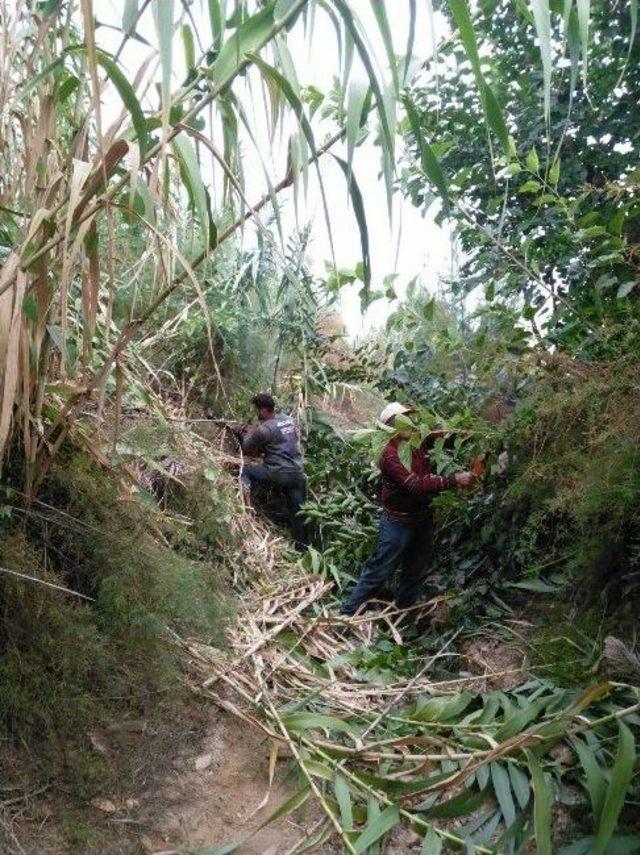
{"type": "Point", "coordinates": [400, 544]}
{"type": "Point", "coordinates": [294, 488]}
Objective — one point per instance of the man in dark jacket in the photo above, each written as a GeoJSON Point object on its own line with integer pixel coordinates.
{"type": "Point", "coordinates": [277, 439]}
{"type": "Point", "coordinates": [405, 525]}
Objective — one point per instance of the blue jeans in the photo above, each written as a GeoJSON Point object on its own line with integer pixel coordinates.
{"type": "Point", "coordinates": [407, 545]}
{"type": "Point", "coordinates": [293, 486]}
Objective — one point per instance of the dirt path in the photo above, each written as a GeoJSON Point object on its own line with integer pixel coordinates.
{"type": "Point", "coordinates": [198, 808]}
{"type": "Point", "coordinates": [208, 795]}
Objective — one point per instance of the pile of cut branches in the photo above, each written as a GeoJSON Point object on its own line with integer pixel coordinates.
{"type": "Point", "coordinates": [465, 767]}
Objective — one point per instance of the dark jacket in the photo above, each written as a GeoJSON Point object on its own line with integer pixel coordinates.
{"type": "Point", "coordinates": [406, 494]}
{"type": "Point", "coordinates": [278, 440]}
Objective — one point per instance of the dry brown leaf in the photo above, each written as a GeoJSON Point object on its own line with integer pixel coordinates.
{"type": "Point", "coordinates": [105, 169]}
{"type": "Point", "coordinates": [11, 360]}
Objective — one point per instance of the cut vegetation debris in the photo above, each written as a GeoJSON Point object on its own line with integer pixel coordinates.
{"type": "Point", "coordinates": [487, 770]}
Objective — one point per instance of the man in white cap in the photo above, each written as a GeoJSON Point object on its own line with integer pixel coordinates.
{"type": "Point", "coordinates": [405, 525]}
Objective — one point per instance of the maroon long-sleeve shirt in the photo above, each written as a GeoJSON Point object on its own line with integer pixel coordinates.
{"type": "Point", "coordinates": [406, 494]}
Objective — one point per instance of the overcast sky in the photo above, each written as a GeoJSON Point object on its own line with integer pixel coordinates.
{"type": "Point", "coordinates": [419, 246]}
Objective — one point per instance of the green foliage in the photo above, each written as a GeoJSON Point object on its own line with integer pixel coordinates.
{"type": "Point", "coordinates": [340, 510]}
{"type": "Point", "coordinates": [582, 471]}
{"type": "Point", "coordinates": [541, 526]}
{"type": "Point", "coordinates": [504, 797]}
{"type": "Point", "coordinates": [547, 228]}
{"type": "Point", "coordinates": [558, 504]}
{"type": "Point", "coordinates": [551, 225]}
{"type": "Point", "coordinates": [568, 649]}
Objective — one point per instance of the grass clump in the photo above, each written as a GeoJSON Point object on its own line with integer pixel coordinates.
{"type": "Point", "coordinates": [568, 650]}
{"type": "Point", "coordinates": [69, 665]}
{"type": "Point", "coordinates": [580, 475]}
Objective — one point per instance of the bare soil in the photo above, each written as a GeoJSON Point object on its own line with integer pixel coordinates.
{"type": "Point", "coordinates": [206, 796]}
{"type": "Point", "coordinates": [498, 665]}
{"type": "Point", "coordinates": [196, 808]}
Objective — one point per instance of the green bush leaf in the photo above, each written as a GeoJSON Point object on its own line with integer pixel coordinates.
{"type": "Point", "coordinates": [542, 18]}
{"type": "Point", "coordinates": [493, 113]}
{"type": "Point", "coordinates": [313, 721]}
{"type": "Point", "coordinates": [464, 803]}
{"type": "Point", "coordinates": [361, 219]}
{"type": "Point", "coordinates": [343, 797]}
{"type": "Point", "coordinates": [429, 161]}
{"type": "Point", "coordinates": [356, 97]}
{"type": "Point", "coordinates": [367, 61]}
{"type": "Point", "coordinates": [530, 187]}
{"type": "Point", "coordinates": [443, 708]}
{"type": "Point", "coordinates": [192, 179]}
{"type": "Point", "coordinates": [584, 13]}
{"type": "Point", "coordinates": [595, 780]}
{"type": "Point", "coordinates": [248, 37]}
{"type": "Point", "coordinates": [537, 585]}
{"type": "Point", "coordinates": [542, 806]}
{"type": "Point", "coordinates": [405, 455]}
{"type": "Point", "coordinates": [189, 47]}
{"type": "Point", "coordinates": [216, 22]}
{"type": "Point", "coordinates": [625, 289]}
{"type": "Point", "coordinates": [380, 12]}
{"type": "Point", "coordinates": [129, 16]}
{"type": "Point", "coordinates": [518, 720]}
{"type": "Point", "coordinates": [520, 784]}
{"type": "Point", "coordinates": [617, 790]}
{"type": "Point", "coordinates": [125, 90]}
{"type": "Point", "coordinates": [389, 817]}
{"type": "Point", "coordinates": [163, 17]}
{"type": "Point", "coordinates": [273, 76]}
{"type": "Point", "coordinates": [533, 164]}
{"type": "Point", "coordinates": [431, 845]}
{"type": "Point", "coordinates": [502, 789]}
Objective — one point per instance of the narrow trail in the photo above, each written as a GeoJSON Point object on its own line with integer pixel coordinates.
{"type": "Point", "coordinates": [247, 774]}
{"type": "Point", "coordinates": [285, 676]}
{"type": "Point", "coordinates": [279, 694]}
{"type": "Point", "coordinates": [222, 794]}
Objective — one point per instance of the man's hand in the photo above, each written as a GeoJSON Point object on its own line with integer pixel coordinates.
{"type": "Point", "coordinates": [465, 479]}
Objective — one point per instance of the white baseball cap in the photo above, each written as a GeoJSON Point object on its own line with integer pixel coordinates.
{"type": "Point", "coordinates": [393, 410]}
